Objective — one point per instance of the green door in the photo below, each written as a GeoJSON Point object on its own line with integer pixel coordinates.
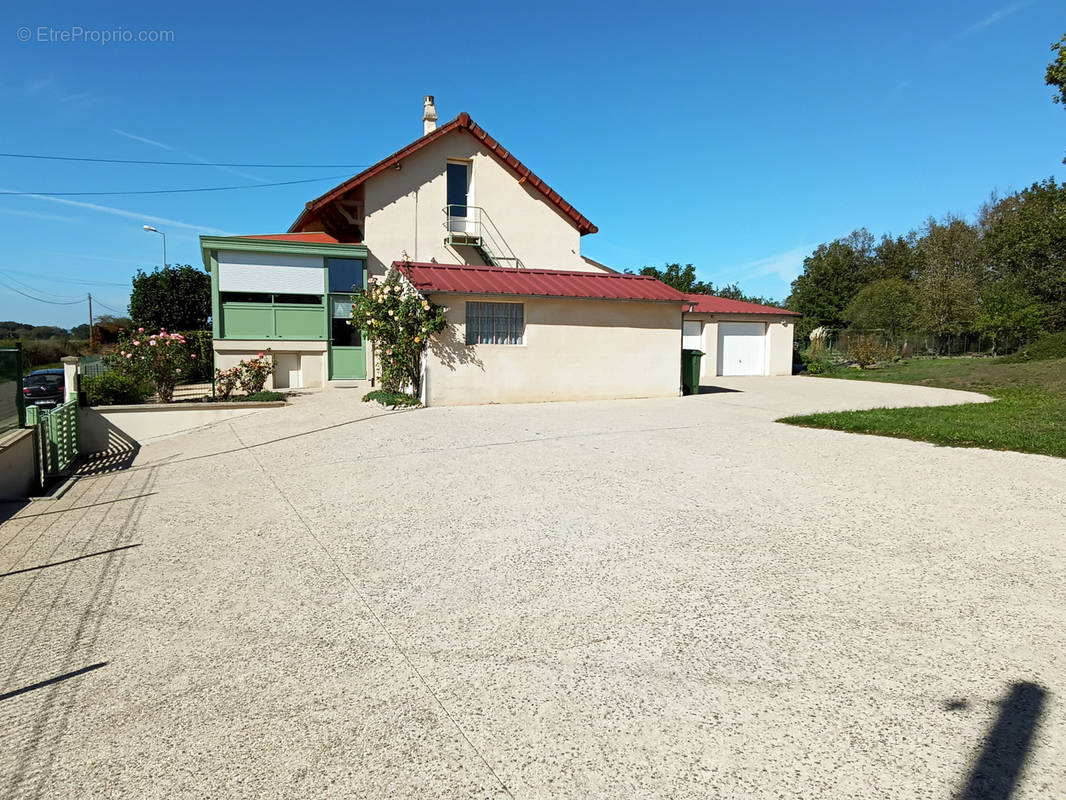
{"type": "Point", "coordinates": [347, 355]}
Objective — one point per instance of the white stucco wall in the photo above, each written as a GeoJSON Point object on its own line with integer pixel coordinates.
{"type": "Point", "coordinates": [778, 342]}
{"type": "Point", "coordinates": [18, 474]}
{"type": "Point", "coordinates": [404, 211]}
{"type": "Point", "coordinates": [573, 350]}
{"type": "Point", "coordinates": [104, 429]}
{"type": "Point", "coordinates": [314, 358]}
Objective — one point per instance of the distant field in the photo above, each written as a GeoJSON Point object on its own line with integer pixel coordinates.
{"type": "Point", "coordinates": [1029, 414]}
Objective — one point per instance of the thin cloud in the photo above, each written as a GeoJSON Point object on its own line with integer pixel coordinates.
{"type": "Point", "coordinates": [18, 212]}
{"type": "Point", "coordinates": [995, 17]}
{"type": "Point", "coordinates": [193, 156]}
{"type": "Point", "coordinates": [144, 140]}
{"type": "Point", "coordinates": [786, 265]}
{"type": "Point", "coordinates": [121, 212]}
{"type": "Point", "coordinates": [38, 85]}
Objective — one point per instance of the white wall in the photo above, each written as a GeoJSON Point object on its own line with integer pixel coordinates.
{"type": "Point", "coordinates": [404, 211]}
{"type": "Point", "coordinates": [18, 475]}
{"type": "Point", "coordinates": [113, 429]}
{"type": "Point", "coordinates": [314, 358]}
{"type": "Point", "coordinates": [573, 350]}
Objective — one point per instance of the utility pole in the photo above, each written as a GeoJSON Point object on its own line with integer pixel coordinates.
{"type": "Point", "coordinates": [90, 320]}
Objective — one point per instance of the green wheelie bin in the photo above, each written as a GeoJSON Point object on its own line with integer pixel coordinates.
{"type": "Point", "coordinates": [690, 370]}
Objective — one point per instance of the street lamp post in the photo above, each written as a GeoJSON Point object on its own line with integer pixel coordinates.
{"type": "Point", "coordinates": [150, 229]}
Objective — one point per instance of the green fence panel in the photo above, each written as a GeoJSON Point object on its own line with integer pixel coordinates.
{"type": "Point", "coordinates": [12, 403]}
{"type": "Point", "coordinates": [57, 436]}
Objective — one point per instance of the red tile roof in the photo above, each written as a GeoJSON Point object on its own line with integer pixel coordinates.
{"type": "Point", "coordinates": [314, 237]}
{"type": "Point", "coordinates": [461, 123]}
{"type": "Point", "coordinates": [463, 279]}
{"type": "Point", "coordinates": [711, 304]}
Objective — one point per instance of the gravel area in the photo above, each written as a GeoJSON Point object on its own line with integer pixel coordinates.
{"type": "Point", "coordinates": [665, 598]}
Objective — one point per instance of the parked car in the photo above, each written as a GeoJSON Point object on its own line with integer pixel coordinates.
{"type": "Point", "coordinates": [43, 387]}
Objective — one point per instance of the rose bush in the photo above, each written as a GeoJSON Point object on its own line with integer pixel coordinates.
{"type": "Point", "coordinates": [249, 376]}
{"type": "Point", "coordinates": [158, 358]}
{"type": "Point", "coordinates": [399, 321]}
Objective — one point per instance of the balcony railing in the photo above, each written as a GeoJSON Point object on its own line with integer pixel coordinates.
{"type": "Point", "coordinates": [471, 226]}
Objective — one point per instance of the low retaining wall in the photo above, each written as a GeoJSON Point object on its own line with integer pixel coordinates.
{"type": "Point", "coordinates": [116, 428]}
{"type": "Point", "coordinates": [18, 475]}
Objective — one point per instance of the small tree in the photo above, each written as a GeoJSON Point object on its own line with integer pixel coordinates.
{"type": "Point", "coordinates": [172, 298]}
{"type": "Point", "coordinates": [399, 321]}
{"type": "Point", "coordinates": [887, 305]}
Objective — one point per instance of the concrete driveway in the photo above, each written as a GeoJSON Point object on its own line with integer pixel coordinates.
{"type": "Point", "coordinates": [673, 598]}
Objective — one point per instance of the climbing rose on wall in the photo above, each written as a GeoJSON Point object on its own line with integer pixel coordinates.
{"type": "Point", "coordinates": [399, 321]}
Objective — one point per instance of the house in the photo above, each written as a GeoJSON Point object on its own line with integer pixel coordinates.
{"type": "Point", "coordinates": [738, 338]}
{"type": "Point", "coordinates": [477, 231]}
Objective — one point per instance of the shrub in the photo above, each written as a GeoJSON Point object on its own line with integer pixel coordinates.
{"type": "Point", "coordinates": [388, 397]}
{"type": "Point", "coordinates": [201, 356]}
{"type": "Point", "coordinates": [158, 358]}
{"type": "Point", "coordinates": [249, 376]}
{"type": "Point", "coordinates": [817, 367]}
{"type": "Point", "coordinates": [254, 373]}
{"type": "Point", "coordinates": [115, 388]}
{"type": "Point", "coordinates": [865, 351]}
{"type": "Point", "coordinates": [261, 397]}
{"type": "Point", "coordinates": [1045, 348]}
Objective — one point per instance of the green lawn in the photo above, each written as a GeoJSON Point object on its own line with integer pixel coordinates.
{"type": "Point", "coordinates": [1029, 414]}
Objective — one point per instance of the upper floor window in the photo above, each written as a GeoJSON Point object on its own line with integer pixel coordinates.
{"type": "Point", "coordinates": [495, 323]}
{"type": "Point", "coordinates": [458, 173]}
{"type": "Point", "coordinates": [345, 274]}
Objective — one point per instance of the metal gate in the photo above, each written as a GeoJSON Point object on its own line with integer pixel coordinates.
{"type": "Point", "coordinates": [57, 436]}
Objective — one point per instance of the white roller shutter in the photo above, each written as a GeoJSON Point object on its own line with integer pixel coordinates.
{"type": "Point", "coordinates": [270, 273]}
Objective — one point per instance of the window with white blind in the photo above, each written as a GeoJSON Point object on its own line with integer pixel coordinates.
{"type": "Point", "coordinates": [495, 323]}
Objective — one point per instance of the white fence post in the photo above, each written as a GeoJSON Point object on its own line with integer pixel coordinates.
{"type": "Point", "coordinates": [70, 377]}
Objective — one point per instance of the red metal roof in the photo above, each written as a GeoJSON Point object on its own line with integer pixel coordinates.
{"type": "Point", "coordinates": [711, 304]}
{"type": "Point", "coordinates": [464, 279]}
{"type": "Point", "coordinates": [314, 237]}
{"type": "Point", "coordinates": [460, 123]}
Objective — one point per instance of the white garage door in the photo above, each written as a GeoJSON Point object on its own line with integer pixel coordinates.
{"type": "Point", "coordinates": [741, 348]}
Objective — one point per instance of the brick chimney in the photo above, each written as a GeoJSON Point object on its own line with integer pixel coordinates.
{"type": "Point", "coordinates": [429, 116]}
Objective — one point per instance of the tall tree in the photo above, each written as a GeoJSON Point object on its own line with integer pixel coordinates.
{"type": "Point", "coordinates": [950, 277]}
{"type": "Point", "coordinates": [681, 278]}
{"type": "Point", "coordinates": [177, 298]}
{"type": "Point", "coordinates": [832, 275]}
{"type": "Point", "coordinates": [887, 305]}
{"type": "Point", "coordinates": [1008, 311]}
{"type": "Point", "coordinates": [1025, 244]}
{"type": "Point", "coordinates": [1056, 73]}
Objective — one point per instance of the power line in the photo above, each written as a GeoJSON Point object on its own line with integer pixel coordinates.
{"type": "Point", "coordinates": [12, 272]}
{"type": "Point", "coordinates": [169, 191]}
{"type": "Point", "coordinates": [41, 299]}
{"type": "Point", "coordinates": [181, 163]}
{"type": "Point", "coordinates": [25, 285]}
{"type": "Point", "coordinates": [99, 302]}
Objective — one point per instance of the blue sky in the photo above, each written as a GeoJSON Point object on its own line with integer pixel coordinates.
{"type": "Point", "coordinates": [736, 137]}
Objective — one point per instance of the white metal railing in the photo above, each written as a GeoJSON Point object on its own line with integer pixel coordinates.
{"type": "Point", "coordinates": [472, 226]}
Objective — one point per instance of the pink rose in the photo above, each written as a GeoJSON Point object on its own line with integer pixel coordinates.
{"type": "Point", "coordinates": [178, 369]}
{"type": "Point", "coordinates": [152, 343]}
{"type": "Point", "coordinates": [129, 355]}
{"type": "Point", "coordinates": [259, 356]}
{"type": "Point", "coordinates": [140, 330]}
{"type": "Point", "coordinates": [136, 343]}
{"type": "Point", "coordinates": [192, 355]}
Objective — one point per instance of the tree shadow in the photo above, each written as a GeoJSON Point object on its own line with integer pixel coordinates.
{"type": "Point", "coordinates": [998, 768]}
{"type": "Point", "coordinates": [716, 390]}
{"type": "Point", "coordinates": [452, 351]}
